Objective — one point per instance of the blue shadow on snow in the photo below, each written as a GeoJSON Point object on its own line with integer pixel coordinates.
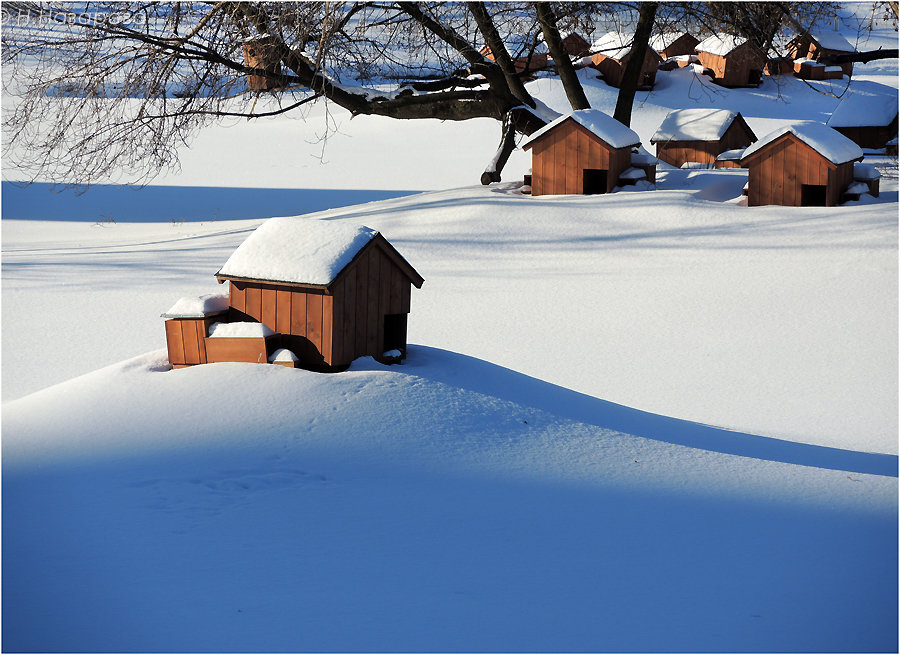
{"type": "Point", "coordinates": [148, 204]}
{"type": "Point", "coordinates": [490, 379]}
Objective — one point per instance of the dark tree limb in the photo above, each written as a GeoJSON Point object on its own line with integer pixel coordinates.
{"type": "Point", "coordinates": [517, 119]}
{"type": "Point", "coordinates": [857, 57]}
{"type": "Point", "coordinates": [498, 49]}
{"type": "Point", "coordinates": [564, 68]}
{"type": "Point", "coordinates": [632, 75]}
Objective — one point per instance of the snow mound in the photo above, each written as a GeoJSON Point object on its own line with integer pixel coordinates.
{"type": "Point", "coordinates": [240, 329]}
{"type": "Point", "coordinates": [283, 355]}
{"type": "Point", "coordinates": [298, 250]}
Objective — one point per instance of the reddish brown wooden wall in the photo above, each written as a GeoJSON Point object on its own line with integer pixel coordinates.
{"type": "Point", "coordinates": [777, 172]}
{"type": "Point", "coordinates": [734, 70]}
{"type": "Point", "coordinates": [558, 160]}
{"type": "Point", "coordinates": [185, 340]}
{"type": "Point", "coordinates": [870, 137]}
{"type": "Point", "coordinates": [614, 69]}
{"type": "Point", "coordinates": [255, 350]}
{"type": "Point", "coordinates": [677, 153]}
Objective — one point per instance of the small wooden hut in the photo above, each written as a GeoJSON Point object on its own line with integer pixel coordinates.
{"type": "Point", "coordinates": [584, 152]}
{"type": "Point", "coordinates": [814, 45]}
{"type": "Point", "coordinates": [326, 292]}
{"type": "Point", "coordinates": [526, 55]}
{"type": "Point", "coordinates": [259, 52]}
{"type": "Point", "coordinates": [802, 165]}
{"type": "Point", "coordinates": [700, 135]}
{"type": "Point", "coordinates": [734, 61]}
{"type": "Point", "coordinates": [867, 119]}
{"type": "Point", "coordinates": [671, 44]}
{"type": "Point", "coordinates": [574, 44]}
{"type": "Point", "coordinates": [611, 53]}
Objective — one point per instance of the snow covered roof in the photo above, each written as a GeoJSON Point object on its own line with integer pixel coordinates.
{"type": "Point", "coordinates": [862, 109]}
{"type": "Point", "coordinates": [829, 143]}
{"type": "Point", "coordinates": [720, 44]}
{"type": "Point", "coordinates": [664, 40]}
{"type": "Point", "coordinates": [595, 121]}
{"type": "Point", "coordinates": [695, 124]}
{"type": "Point", "coordinates": [832, 41]}
{"type": "Point", "coordinates": [198, 307]}
{"type": "Point", "coordinates": [298, 250]}
{"type": "Point", "coordinates": [615, 44]}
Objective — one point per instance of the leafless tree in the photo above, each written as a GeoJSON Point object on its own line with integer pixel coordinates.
{"type": "Point", "coordinates": [140, 78]}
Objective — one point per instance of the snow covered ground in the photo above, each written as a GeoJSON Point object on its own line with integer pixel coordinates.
{"type": "Point", "coordinates": [647, 421]}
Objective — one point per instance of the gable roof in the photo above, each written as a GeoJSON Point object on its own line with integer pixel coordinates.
{"type": "Point", "coordinates": [616, 45]}
{"type": "Point", "coordinates": [601, 125]}
{"type": "Point", "coordinates": [829, 143]}
{"type": "Point", "coordinates": [720, 44]}
{"type": "Point", "coordinates": [832, 41]}
{"type": "Point", "coordinates": [304, 251]}
{"type": "Point", "coordinates": [865, 109]}
{"type": "Point", "coordinates": [665, 40]}
{"type": "Point", "coordinates": [695, 124]}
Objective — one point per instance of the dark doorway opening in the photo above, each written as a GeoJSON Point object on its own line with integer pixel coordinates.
{"type": "Point", "coordinates": [395, 332]}
{"type": "Point", "coordinates": [594, 180]}
{"type": "Point", "coordinates": [813, 195]}
{"type": "Point", "coordinates": [755, 77]}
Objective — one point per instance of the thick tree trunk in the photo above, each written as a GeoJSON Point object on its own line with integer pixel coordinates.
{"type": "Point", "coordinates": [498, 50]}
{"type": "Point", "coordinates": [517, 119]}
{"type": "Point", "coordinates": [632, 75]}
{"type": "Point", "coordinates": [564, 67]}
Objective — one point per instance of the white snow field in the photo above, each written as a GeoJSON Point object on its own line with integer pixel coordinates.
{"type": "Point", "coordinates": [649, 421]}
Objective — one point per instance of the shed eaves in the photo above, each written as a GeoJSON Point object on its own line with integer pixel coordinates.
{"type": "Point", "coordinates": [829, 143]}
{"type": "Point", "coordinates": [601, 125]}
{"type": "Point", "coordinates": [695, 124]}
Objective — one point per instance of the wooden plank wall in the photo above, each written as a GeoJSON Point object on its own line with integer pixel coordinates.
{"type": "Point", "coordinates": [560, 158]}
{"type": "Point", "coordinates": [776, 177]}
{"type": "Point", "coordinates": [371, 287]}
{"type": "Point", "coordinates": [875, 136]}
{"type": "Point", "coordinates": [677, 153]}
{"type": "Point", "coordinates": [185, 340]}
{"type": "Point", "coordinates": [300, 312]}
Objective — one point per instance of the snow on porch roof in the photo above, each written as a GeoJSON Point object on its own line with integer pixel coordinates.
{"type": "Point", "coordinates": [595, 121]}
{"type": "Point", "coordinates": [695, 124]}
{"type": "Point", "coordinates": [297, 250]}
{"type": "Point", "coordinates": [829, 143]}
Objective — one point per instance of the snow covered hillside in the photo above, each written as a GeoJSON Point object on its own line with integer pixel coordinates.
{"type": "Point", "coordinates": [653, 420]}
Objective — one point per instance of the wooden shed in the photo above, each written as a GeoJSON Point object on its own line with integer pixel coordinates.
{"type": "Point", "coordinates": [260, 53]}
{"type": "Point", "coordinates": [802, 165]}
{"type": "Point", "coordinates": [813, 45]}
{"type": "Point", "coordinates": [611, 53]}
{"type": "Point", "coordinates": [327, 292]}
{"type": "Point", "coordinates": [674, 44]}
{"type": "Point", "coordinates": [734, 61]}
{"type": "Point", "coordinates": [526, 55]}
{"type": "Point", "coordinates": [584, 152]}
{"type": "Point", "coordinates": [867, 115]}
{"type": "Point", "coordinates": [700, 135]}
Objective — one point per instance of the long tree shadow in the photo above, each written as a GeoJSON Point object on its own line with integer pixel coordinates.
{"type": "Point", "coordinates": [490, 379]}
